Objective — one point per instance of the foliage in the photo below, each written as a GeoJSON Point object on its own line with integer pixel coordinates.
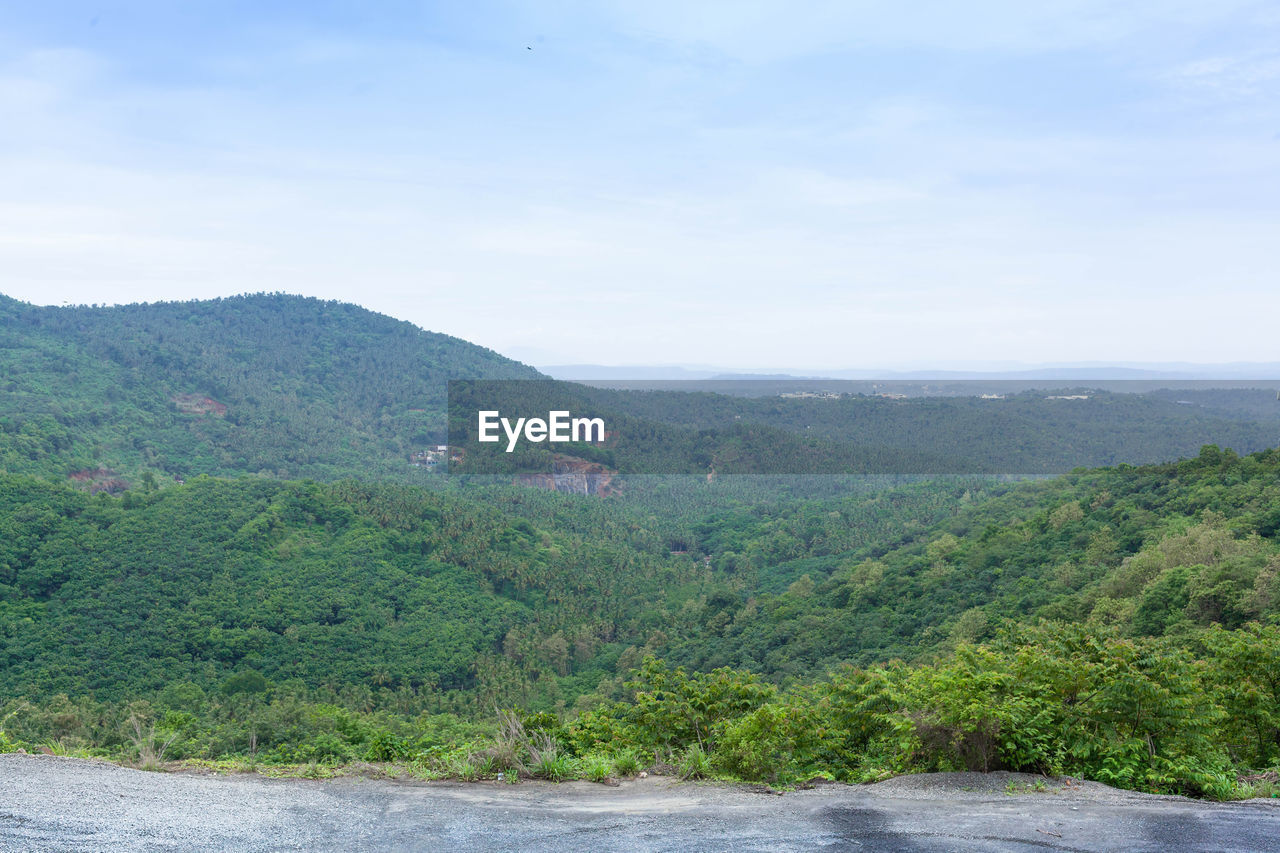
{"type": "Point", "coordinates": [269, 383]}
{"type": "Point", "coordinates": [284, 386]}
{"type": "Point", "coordinates": [1117, 624]}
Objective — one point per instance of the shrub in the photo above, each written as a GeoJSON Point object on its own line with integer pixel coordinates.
{"type": "Point", "coordinates": [384, 746]}
{"type": "Point", "coordinates": [675, 709]}
{"type": "Point", "coordinates": [627, 763]}
{"type": "Point", "coordinates": [755, 747]}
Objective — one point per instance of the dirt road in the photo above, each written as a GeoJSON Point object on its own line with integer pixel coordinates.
{"type": "Point", "coordinates": [51, 803]}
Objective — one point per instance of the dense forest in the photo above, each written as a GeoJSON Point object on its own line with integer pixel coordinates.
{"type": "Point", "coordinates": [290, 387]}
{"type": "Point", "coordinates": [1117, 623]}
{"type": "Point", "coordinates": [457, 595]}
{"type": "Point", "coordinates": [394, 602]}
{"type": "Point", "coordinates": [1027, 433]}
{"type": "Point", "coordinates": [532, 595]}
{"type": "Point", "coordinates": [274, 384]}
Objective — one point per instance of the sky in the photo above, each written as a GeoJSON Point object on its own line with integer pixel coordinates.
{"type": "Point", "coordinates": [752, 184]}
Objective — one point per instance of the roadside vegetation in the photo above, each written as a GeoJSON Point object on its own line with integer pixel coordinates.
{"type": "Point", "coordinates": [1199, 717]}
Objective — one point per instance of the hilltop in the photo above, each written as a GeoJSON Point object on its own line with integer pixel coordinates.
{"type": "Point", "coordinates": [282, 385]}
{"type": "Point", "coordinates": [293, 387]}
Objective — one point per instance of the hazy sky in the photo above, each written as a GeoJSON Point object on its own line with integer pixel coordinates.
{"type": "Point", "coordinates": [816, 184]}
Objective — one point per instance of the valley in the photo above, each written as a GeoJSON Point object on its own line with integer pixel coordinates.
{"type": "Point", "coordinates": [166, 596]}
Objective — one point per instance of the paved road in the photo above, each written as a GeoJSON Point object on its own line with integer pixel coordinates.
{"type": "Point", "coordinates": [51, 803]}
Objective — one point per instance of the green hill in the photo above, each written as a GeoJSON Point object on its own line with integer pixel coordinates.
{"type": "Point", "coordinates": [450, 594]}
{"type": "Point", "coordinates": [321, 621]}
{"type": "Point", "coordinates": [535, 596]}
{"type": "Point", "coordinates": [1112, 622]}
{"type": "Point", "coordinates": [1152, 551]}
{"type": "Point", "coordinates": [269, 383]}
{"type": "Point", "coordinates": [290, 387]}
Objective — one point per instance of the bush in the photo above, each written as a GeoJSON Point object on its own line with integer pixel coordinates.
{"type": "Point", "coordinates": [384, 746]}
{"type": "Point", "coordinates": [7, 744]}
{"type": "Point", "coordinates": [759, 746]}
{"type": "Point", "coordinates": [627, 763]}
{"type": "Point", "coordinates": [675, 709]}
{"type": "Point", "coordinates": [975, 712]}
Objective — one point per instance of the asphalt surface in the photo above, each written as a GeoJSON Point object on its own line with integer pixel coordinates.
{"type": "Point", "coordinates": [63, 804]}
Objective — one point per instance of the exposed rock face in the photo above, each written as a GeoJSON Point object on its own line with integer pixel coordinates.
{"type": "Point", "coordinates": [99, 480]}
{"type": "Point", "coordinates": [573, 476]}
{"type": "Point", "coordinates": [198, 404]}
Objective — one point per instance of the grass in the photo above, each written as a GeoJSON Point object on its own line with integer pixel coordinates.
{"type": "Point", "coordinates": [151, 749]}
{"type": "Point", "coordinates": [695, 764]}
{"type": "Point", "coordinates": [547, 761]}
{"type": "Point", "coordinates": [555, 767]}
{"type": "Point", "coordinates": [1037, 787]}
{"type": "Point", "coordinates": [469, 768]}
{"type": "Point", "coordinates": [596, 767]}
{"type": "Point", "coordinates": [59, 747]}
{"type": "Point", "coordinates": [310, 770]}
{"type": "Point", "coordinates": [627, 764]}
{"type": "Point", "coordinates": [552, 765]}
{"type": "Point", "coordinates": [1256, 789]}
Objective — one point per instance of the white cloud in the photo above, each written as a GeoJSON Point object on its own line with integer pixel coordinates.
{"type": "Point", "coordinates": [755, 31]}
{"type": "Point", "coordinates": [1234, 76]}
{"type": "Point", "coordinates": [663, 204]}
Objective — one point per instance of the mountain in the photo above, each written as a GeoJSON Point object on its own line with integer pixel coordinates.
{"type": "Point", "coordinates": [1123, 616]}
{"type": "Point", "coordinates": [289, 387]}
{"type": "Point", "coordinates": [1161, 550]}
{"type": "Point", "coordinates": [463, 595]}
{"type": "Point", "coordinates": [710, 426]}
{"type": "Point", "coordinates": [1093, 371]}
{"type": "Point", "coordinates": [267, 383]}
{"type": "Point", "coordinates": [330, 621]}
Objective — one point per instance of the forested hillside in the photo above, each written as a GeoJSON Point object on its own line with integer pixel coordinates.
{"type": "Point", "coordinates": [1152, 551]}
{"type": "Point", "coordinates": [1031, 432]}
{"type": "Point", "coordinates": [456, 597]}
{"type": "Point", "coordinates": [535, 596]}
{"type": "Point", "coordinates": [164, 567]}
{"type": "Point", "coordinates": [289, 387]}
{"type": "Point", "coordinates": [283, 385]}
{"type": "Point", "coordinates": [316, 622]}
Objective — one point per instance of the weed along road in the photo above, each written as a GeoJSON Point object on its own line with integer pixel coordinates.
{"type": "Point", "coordinates": [64, 804]}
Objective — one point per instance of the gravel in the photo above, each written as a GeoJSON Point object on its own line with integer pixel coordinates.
{"type": "Point", "coordinates": [65, 804]}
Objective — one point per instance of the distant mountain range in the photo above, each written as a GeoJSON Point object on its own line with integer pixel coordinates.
{"type": "Point", "coordinates": [290, 387]}
{"type": "Point", "coordinates": [1056, 372]}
